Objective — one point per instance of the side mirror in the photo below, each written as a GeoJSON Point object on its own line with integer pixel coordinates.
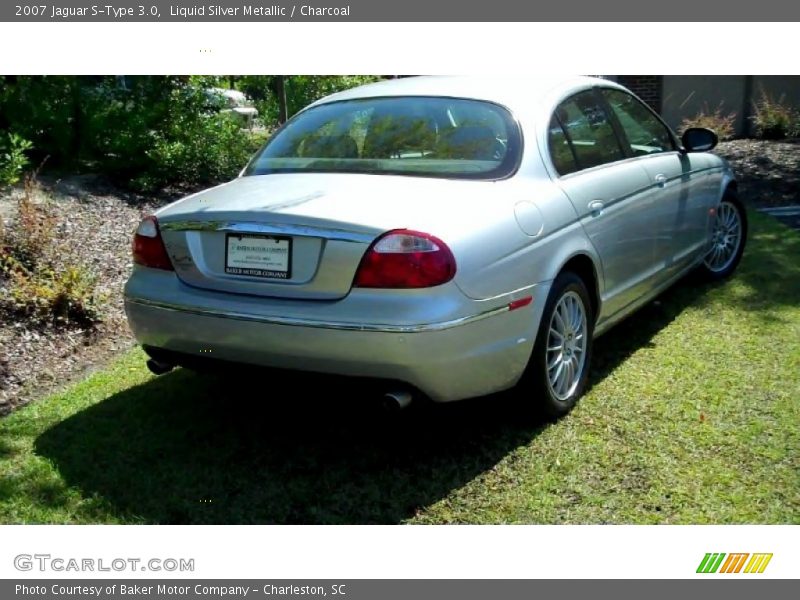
{"type": "Point", "coordinates": [699, 139]}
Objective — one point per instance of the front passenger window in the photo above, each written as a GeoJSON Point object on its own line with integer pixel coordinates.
{"type": "Point", "coordinates": [645, 133]}
{"type": "Point", "coordinates": [589, 131]}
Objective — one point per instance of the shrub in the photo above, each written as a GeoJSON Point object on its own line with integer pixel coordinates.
{"type": "Point", "coordinates": [41, 109]}
{"type": "Point", "coordinates": [33, 281]}
{"type": "Point", "coordinates": [86, 120]}
{"type": "Point", "coordinates": [721, 124]}
{"type": "Point", "coordinates": [149, 130]}
{"type": "Point", "coordinates": [59, 297]}
{"type": "Point", "coordinates": [13, 159]}
{"type": "Point", "coordinates": [300, 90]}
{"type": "Point", "coordinates": [774, 119]}
{"type": "Point", "coordinates": [32, 238]}
{"type": "Point", "coordinates": [195, 147]}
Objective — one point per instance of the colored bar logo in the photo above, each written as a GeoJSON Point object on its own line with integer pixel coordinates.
{"type": "Point", "coordinates": [716, 562]}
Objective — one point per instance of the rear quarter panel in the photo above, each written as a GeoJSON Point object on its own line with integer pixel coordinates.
{"type": "Point", "coordinates": [535, 233]}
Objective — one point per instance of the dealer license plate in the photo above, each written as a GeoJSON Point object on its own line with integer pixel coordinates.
{"type": "Point", "coordinates": [258, 255]}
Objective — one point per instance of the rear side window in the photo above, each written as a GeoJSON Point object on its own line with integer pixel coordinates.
{"type": "Point", "coordinates": [646, 134]}
{"type": "Point", "coordinates": [588, 130]}
{"type": "Point", "coordinates": [560, 149]}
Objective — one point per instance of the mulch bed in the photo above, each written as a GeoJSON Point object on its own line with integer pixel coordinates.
{"type": "Point", "coordinates": [768, 172]}
{"type": "Point", "coordinates": [36, 359]}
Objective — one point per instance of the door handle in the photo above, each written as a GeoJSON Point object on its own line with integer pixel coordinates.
{"type": "Point", "coordinates": [661, 180]}
{"type": "Point", "coordinates": [596, 207]}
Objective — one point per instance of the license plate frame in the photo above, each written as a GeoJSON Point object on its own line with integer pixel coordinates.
{"type": "Point", "coordinates": [267, 270]}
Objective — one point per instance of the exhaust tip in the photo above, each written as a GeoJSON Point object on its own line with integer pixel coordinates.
{"type": "Point", "coordinates": [396, 401]}
{"type": "Point", "coordinates": [159, 368]}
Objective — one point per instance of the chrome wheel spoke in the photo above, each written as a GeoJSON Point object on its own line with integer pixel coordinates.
{"type": "Point", "coordinates": [562, 326]}
{"type": "Point", "coordinates": [557, 374]}
{"type": "Point", "coordinates": [574, 365]}
{"type": "Point", "coordinates": [578, 322]}
{"type": "Point", "coordinates": [564, 313]}
{"type": "Point", "coordinates": [566, 377]}
{"type": "Point", "coordinates": [717, 253]}
{"type": "Point", "coordinates": [730, 218]}
{"type": "Point", "coordinates": [569, 306]}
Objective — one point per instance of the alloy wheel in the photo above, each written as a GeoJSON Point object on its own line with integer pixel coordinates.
{"type": "Point", "coordinates": [566, 345]}
{"type": "Point", "coordinates": [725, 239]}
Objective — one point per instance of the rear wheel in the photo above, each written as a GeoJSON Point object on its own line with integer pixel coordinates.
{"type": "Point", "coordinates": [727, 239]}
{"type": "Point", "coordinates": [558, 369]}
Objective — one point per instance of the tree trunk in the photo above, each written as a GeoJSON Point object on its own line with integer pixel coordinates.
{"type": "Point", "coordinates": [280, 88]}
{"type": "Point", "coordinates": [77, 121]}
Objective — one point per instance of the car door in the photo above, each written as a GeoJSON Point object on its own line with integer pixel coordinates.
{"type": "Point", "coordinates": [611, 195]}
{"type": "Point", "coordinates": [680, 216]}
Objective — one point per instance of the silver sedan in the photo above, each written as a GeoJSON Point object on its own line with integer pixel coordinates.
{"type": "Point", "coordinates": [452, 237]}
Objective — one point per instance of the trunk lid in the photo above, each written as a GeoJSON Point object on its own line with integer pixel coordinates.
{"type": "Point", "coordinates": [307, 232]}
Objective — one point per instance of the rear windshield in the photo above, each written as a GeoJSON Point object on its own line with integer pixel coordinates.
{"type": "Point", "coordinates": [435, 137]}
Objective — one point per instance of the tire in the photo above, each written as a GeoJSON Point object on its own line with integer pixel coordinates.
{"type": "Point", "coordinates": [726, 252]}
{"type": "Point", "coordinates": [541, 387]}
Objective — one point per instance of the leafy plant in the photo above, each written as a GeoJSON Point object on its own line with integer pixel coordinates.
{"type": "Point", "coordinates": [35, 283]}
{"type": "Point", "coordinates": [30, 241]}
{"type": "Point", "coordinates": [196, 145]}
{"type": "Point", "coordinates": [773, 118]}
{"type": "Point", "coordinates": [151, 131]}
{"type": "Point", "coordinates": [300, 90]}
{"type": "Point", "coordinates": [13, 159]}
{"type": "Point", "coordinates": [723, 124]}
{"type": "Point", "coordinates": [58, 296]}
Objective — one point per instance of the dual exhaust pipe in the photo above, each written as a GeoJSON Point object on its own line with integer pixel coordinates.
{"type": "Point", "coordinates": [392, 402]}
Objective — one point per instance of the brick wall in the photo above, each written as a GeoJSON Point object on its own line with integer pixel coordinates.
{"type": "Point", "coordinates": [648, 87]}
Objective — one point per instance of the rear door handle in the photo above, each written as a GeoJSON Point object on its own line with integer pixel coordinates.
{"type": "Point", "coordinates": [661, 180]}
{"type": "Point", "coordinates": [596, 207]}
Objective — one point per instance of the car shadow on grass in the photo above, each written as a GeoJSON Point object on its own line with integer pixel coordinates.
{"type": "Point", "coordinates": [185, 448]}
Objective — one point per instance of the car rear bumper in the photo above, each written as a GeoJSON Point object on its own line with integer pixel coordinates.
{"type": "Point", "coordinates": [446, 359]}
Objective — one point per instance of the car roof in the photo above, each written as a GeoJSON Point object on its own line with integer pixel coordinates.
{"type": "Point", "coordinates": [512, 92]}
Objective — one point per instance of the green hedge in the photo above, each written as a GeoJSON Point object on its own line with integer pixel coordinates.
{"type": "Point", "coordinates": [147, 131]}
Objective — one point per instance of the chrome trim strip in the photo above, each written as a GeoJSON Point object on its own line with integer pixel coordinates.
{"type": "Point", "coordinates": [512, 294]}
{"type": "Point", "coordinates": [327, 233]}
{"type": "Point", "coordinates": [338, 325]}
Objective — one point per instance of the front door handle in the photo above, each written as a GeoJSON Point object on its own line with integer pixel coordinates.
{"type": "Point", "coordinates": [661, 180]}
{"type": "Point", "coordinates": [596, 207]}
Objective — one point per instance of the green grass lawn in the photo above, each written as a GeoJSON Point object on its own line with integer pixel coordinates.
{"type": "Point", "coordinates": [693, 417]}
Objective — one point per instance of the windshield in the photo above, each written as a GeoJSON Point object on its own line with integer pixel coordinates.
{"type": "Point", "coordinates": [435, 137]}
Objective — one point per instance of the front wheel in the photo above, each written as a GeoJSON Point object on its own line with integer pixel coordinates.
{"type": "Point", "coordinates": [727, 239]}
{"type": "Point", "coordinates": [558, 369]}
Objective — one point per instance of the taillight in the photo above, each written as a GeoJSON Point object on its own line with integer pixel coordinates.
{"type": "Point", "coordinates": [148, 247]}
{"type": "Point", "coordinates": [406, 259]}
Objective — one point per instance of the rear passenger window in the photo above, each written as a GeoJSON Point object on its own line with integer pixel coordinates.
{"type": "Point", "coordinates": [560, 150]}
{"type": "Point", "coordinates": [589, 131]}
